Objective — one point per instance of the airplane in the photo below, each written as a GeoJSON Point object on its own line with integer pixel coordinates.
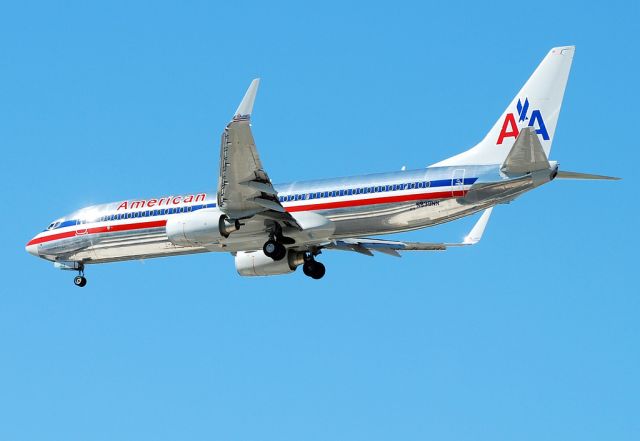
{"type": "Point", "coordinates": [273, 229]}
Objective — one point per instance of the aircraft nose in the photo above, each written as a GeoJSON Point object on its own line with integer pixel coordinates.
{"type": "Point", "coordinates": [32, 249]}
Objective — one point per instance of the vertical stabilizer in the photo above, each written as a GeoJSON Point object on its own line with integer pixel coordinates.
{"type": "Point", "coordinates": [537, 105]}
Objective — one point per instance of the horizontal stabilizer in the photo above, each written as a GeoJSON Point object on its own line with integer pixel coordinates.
{"type": "Point", "coordinates": [584, 176]}
{"type": "Point", "coordinates": [526, 155]}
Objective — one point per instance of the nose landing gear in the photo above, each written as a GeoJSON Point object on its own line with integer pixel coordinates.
{"type": "Point", "coordinates": [80, 280]}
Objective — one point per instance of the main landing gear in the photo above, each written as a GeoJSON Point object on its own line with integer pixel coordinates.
{"type": "Point", "coordinates": [312, 268]}
{"type": "Point", "coordinates": [80, 280]}
{"type": "Point", "coordinates": [274, 249]}
{"type": "Point", "coordinates": [275, 246]}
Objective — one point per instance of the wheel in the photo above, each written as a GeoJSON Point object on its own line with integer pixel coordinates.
{"type": "Point", "coordinates": [80, 281]}
{"type": "Point", "coordinates": [282, 252]}
{"type": "Point", "coordinates": [307, 268]}
{"type": "Point", "coordinates": [318, 271]}
{"type": "Point", "coordinates": [274, 249]}
{"type": "Point", "coordinates": [313, 269]}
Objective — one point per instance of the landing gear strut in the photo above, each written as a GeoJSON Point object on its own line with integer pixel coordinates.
{"type": "Point", "coordinates": [312, 268]}
{"type": "Point", "coordinates": [80, 280]}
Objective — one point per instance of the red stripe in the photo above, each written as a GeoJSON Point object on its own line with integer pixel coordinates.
{"type": "Point", "coordinates": [95, 230]}
{"type": "Point", "coordinates": [308, 207]}
{"type": "Point", "coordinates": [374, 201]}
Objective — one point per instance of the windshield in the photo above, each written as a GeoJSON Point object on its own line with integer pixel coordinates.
{"type": "Point", "coordinates": [54, 225]}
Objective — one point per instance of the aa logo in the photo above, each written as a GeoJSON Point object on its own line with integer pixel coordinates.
{"type": "Point", "coordinates": [510, 126]}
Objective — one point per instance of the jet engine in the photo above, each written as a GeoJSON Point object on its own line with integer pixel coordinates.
{"type": "Point", "coordinates": [202, 227]}
{"type": "Point", "coordinates": [256, 263]}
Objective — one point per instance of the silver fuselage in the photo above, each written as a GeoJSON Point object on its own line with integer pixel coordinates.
{"type": "Point", "coordinates": [356, 206]}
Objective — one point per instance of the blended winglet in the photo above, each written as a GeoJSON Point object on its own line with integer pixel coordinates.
{"type": "Point", "coordinates": [246, 105]}
{"type": "Point", "coordinates": [476, 232]}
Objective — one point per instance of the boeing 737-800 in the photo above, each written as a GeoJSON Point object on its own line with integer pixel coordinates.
{"type": "Point", "coordinates": [272, 229]}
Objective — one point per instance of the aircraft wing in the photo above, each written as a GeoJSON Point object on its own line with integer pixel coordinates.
{"type": "Point", "coordinates": [367, 246]}
{"type": "Point", "coordinates": [244, 188]}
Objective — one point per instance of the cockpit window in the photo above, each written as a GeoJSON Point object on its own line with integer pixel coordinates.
{"type": "Point", "coordinates": [53, 225]}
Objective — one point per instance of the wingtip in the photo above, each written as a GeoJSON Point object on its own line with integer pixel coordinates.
{"type": "Point", "coordinates": [246, 105]}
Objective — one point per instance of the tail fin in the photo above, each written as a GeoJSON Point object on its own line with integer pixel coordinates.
{"type": "Point", "coordinates": [537, 105]}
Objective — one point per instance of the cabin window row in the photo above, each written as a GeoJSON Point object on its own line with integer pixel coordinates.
{"type": "Point", "coordinates": [146, 213]}
{"type": "Point", "coordinates": [354, 191]}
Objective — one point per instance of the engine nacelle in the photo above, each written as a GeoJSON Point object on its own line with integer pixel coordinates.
{"type": "Point", "coordinates": [255, 263]}
{"type": "Point", "coordinates": [198, 228]}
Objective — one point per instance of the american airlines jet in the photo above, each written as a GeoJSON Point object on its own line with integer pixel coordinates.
{"type": "Point", "coordinates": [272, 229]}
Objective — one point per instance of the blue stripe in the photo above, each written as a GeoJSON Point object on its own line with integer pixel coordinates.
{"type": "Point", "coordinates": [436, 183]}
{"type": "Point", "coordinates": [138, 214]}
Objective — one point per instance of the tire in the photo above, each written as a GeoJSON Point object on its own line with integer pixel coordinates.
{"type": "Point", "coordinates": [318, 271]}
{"type": "Point", "coordinates": [274, 249]}
{"type": "Point", "coordinates": [80, 281]}
{"type": "Point", "coordinates": [307, 268]}
{"type": "Point", "coordinates": [270, 247]}
{"type": "Point", "coordinates": [313, 269]}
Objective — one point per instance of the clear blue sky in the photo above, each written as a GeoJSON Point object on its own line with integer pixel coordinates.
{"type": "Point", "coordinates": [531, 335]}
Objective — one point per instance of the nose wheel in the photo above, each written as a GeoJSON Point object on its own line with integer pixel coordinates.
{"type": "Point", "coordinates": [80, 280]}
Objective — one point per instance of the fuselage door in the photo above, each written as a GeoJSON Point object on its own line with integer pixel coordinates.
{"type": "Point", "coordinates": [81, 227]}
{"type": "Point", "coordinates": [457, 183]}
